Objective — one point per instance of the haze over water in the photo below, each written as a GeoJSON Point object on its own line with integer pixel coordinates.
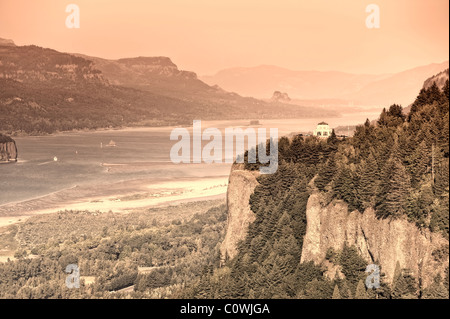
{"type": "Point", "coordinates": [141, 153]}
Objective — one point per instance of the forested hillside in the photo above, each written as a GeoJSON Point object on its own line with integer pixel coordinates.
{"type": "Point", "coordinates": [399, 166]}
{"type": "Point", "coordinates": [44, 91]}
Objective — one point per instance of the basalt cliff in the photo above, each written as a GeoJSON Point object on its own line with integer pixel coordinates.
{"type": "Point", "coordinates": [384, 242]}
{"type": "Point", "coordinates": [240, 186]}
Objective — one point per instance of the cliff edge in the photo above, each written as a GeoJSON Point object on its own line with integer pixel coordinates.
{"type": "Point", "coordinates": [383, 242]}
{"type": "Point", "coordinates": [241, 185]}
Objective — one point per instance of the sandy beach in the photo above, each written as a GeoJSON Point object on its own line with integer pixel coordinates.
{"type": "Point", "coordinates": [126, 196]}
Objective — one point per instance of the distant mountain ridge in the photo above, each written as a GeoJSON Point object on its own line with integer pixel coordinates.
{"type": "Point", "coordinates": [365, 89]}
{"type": "Point", "coordinates": [261, 81]}
{"type": "Point", "coordinates": [400, 88]}
{"type": "Point", "coordinates": [43, 91]}
{"type": "Point", "coordinates": [154, 74]}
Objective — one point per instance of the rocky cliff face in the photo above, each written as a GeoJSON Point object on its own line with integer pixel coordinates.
{"type": "Point", "coordinates": [8, 149]}
{"type": "Point", "coordinates": [158, 74]}
{"type": "Point", "coordinates": [382, 242]}
{"type": "Point", "coordinates": [240, 186]}
{"type": "Point", "coordinates": [33, 65]}
{"type": "Point", "coordinates": [156, 66]}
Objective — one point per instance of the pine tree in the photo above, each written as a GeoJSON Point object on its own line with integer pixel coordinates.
{"type": "Point", "coordinates": [419, 163]}
{"type": "Point", "coordinates": [383, 119]}
{"type": "Point", "coordinates": [436, 290]}
{"type": "Point", "coordinates": [405, 287]}
{"type": "Point", "coordinates": [297, 149]}
{"type": "Point", "coordinates": [361, 290]}
{"type": "Point", "coordinates": [284, 146]}
{"type": "Point", "coordinates": [421, 100]}
{"type": "Point", "coordinates": [441, 185]}
{"type": "Point", "coordinates": [332, 143]}
{"type": "Point", "coordinates": [336, 293]}
{"type": "Point", "coordinates": [326, 174]}
{"type": "Point", "coordinates": [396, 189]}
{"type": "Point", "coordinates": [368, 181]}
{"type": "Point", "coordinates": [445, 91]}
{"type": "Point", "coordinates": [395, 115]}
{"type": "Point", "coordinates": [353, 265]}
{"type": "Point", "coordinates": [344, 187]}
{"type": "Point", "coordinates": [346, 292]}
{"type": "Point", "coordinates": [435, 93]}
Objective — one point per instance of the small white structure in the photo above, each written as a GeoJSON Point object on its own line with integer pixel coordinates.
{"type": "Point", "coordinates": [322, 130]}
{"type": "Point", "coordinates": [111, 144]}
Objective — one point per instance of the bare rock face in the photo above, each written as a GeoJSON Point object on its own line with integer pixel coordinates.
{"type": "Point", "coordinates": [8, 149]}
{"type": "Point", "coordinates": [241, 185]}
{"type": "Point", "coordinates": [382, 242]}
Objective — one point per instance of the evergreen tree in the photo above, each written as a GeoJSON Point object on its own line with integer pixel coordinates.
{"type": "Point", "coordinates": [405, 286]}
{"type": "Point", "coordinates": [419, 163]}
{"type": "Point", "coordinates": [353, 265]}
{"type": "Point", "coordinates": [436, 290]}
{"type": "Point", "coordinates": [344, 187]}
{"type": "Point", "coordinates": [395, 191]}
{"type": "Point", "coordinates": [421, 100]}
{"type": "Point", "coordinates": [368, 181]}
{"type": "Point", "coordinates": [445, 90]}
{"type": "Point", "coordinates": [326, 174]}
{"type": "Point", "coordinates": [360, 290]}
{"type": "Point", "coordinates": [336, 293]}
{"type": "Point", "coordinates": [441, 184]}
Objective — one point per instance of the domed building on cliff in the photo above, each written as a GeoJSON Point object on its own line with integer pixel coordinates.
{"type": "Point", "coordinates": [322, 130]}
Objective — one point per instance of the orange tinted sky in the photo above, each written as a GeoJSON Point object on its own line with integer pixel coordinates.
{"type": "Point", "coordinates": [208, 35]}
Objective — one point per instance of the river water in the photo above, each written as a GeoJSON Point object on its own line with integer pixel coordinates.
{"type": "Point", "coordinates": [49, 164]}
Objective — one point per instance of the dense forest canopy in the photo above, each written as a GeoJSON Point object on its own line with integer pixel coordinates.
{"type": "Point", "coordinates": [109, 249]}
{"type": "Point", "coordinates": [399, 166]}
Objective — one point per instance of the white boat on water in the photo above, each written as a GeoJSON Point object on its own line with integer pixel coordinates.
{"type": "Point", "coordinates": [111, 144]}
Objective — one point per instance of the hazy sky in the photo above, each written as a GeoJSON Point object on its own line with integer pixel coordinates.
{"type": "Point", "coordinates": [208, 35]}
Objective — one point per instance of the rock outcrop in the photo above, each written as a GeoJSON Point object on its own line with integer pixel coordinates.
{"type": "Point", "coordinates": [8, 149]}
{"type": "Point", "coordinates": [156, 66]}
{"type": "Point", "coordinates": [280, 97]}
{"type": "Point", "coordinates": [241, 185]}
{"type": "Point", "coordinates": [383, 242]}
